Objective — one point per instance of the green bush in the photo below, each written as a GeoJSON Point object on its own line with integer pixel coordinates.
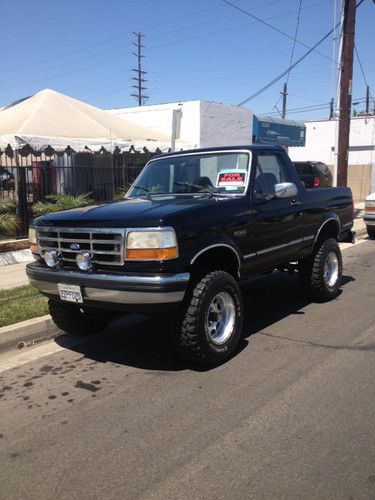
{"type": "Point", "coordinates": [60, 202]}
{"type": "Point", "coordinates": [8, 219]}
{"type": "Point", "coordinates": [7, 206]}
{"type": "Point", "coordinates": [120, 192]}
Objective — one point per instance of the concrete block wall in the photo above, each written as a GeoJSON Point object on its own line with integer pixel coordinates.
{"type": "Point", "coordinates": [359, 180]}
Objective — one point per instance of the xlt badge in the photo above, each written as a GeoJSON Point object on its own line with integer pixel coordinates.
{"type": "Point", "coordinates": [240, 233]}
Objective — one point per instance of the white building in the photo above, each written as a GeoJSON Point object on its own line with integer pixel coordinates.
{"type": "Point", "coordinates": [194, 124]}
{"type": "Point", "coordinates": [320, 146]}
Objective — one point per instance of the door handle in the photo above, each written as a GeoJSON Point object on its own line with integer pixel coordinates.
{"type": "Point", "coordinates": [295, 203]}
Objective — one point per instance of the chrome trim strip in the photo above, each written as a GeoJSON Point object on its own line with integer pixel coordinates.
{"type": "Point", "coordinates": [369, 222]}
{"type": "Point", "coordinates": [308, 238]}
{"type": "Point", "coordinates": [249, 255]}
{"type": "Point", "coordinates": [294, 242]}
{"type": "Point", "coordinates": [222, 151]}
{"type": "Point", "coordinates": [215, 246]}
{"type": "Point", "coordinates": [277, 247]}
{"type": "Point", "coordinates": [115, 296]}
{"type": "Point", "coordinates": [347, 224]}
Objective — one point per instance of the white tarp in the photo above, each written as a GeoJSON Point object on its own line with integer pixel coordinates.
{"type": "Point", "coordinates": [49, 118]}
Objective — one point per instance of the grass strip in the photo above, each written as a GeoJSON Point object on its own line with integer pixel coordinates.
{"type": "Point", "coordinates": [21, 303]}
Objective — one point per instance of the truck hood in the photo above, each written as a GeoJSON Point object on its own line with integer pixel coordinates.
{"type": "Point", "coordinates": [131, 212]}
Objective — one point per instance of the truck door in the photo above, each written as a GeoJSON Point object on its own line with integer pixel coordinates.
{"type": "Point", "coordinates": [276, 224]}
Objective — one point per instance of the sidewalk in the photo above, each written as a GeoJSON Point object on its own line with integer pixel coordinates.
{"type": "Point", "coordinates": [12, 276]}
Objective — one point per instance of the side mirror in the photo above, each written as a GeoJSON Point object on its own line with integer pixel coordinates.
{"type": "Point", "coordinates": [285, 190]}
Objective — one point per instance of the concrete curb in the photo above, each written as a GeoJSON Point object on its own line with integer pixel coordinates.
{"type": "Point", "coordinates": [26, 332]}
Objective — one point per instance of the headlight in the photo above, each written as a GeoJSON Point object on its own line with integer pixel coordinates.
{"type": "Point", "coordinates": [32, 235]}
{"type": "Point", "coordinates": [158, 244]}
{"type": "Point", "coordinates": [33, 242]}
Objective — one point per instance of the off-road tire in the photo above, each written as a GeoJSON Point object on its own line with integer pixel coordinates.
{"type": "Point", "coordinates": [77, 320]}
{"type": "Point", "coordinates": [311, 272]}
{"type": "Point", "coordinates": [371, 232]}
{"type": "Point", "coordinates": [191, 338]}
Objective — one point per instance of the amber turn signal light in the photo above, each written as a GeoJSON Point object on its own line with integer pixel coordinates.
{"type": "Point", "coordinates": [151, 253]}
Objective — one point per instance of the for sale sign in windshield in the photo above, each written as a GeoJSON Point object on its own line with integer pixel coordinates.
{"type": "Point", "coordinates": [231, 178]}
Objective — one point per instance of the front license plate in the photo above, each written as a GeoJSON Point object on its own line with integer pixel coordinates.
{"type": "Point", "coordinates": [70, 293]}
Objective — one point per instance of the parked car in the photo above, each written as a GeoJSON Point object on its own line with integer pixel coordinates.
{"type": "Point", "coordinates": [314, 174]}
{"type": "Point", "coordinates": [369, 217]}
{"type": "Point", "coordinates": [192, 228]}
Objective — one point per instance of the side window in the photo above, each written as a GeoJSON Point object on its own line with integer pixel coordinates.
{"type": "Point", "coordinates": [270, 170]}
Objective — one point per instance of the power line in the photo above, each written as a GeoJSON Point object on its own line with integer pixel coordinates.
{"type": "Point", "coordinates": [284, 93]}
{"type": "Point", "coordinates": [271, 26]}
{"type": "Point", "coordinates": [272, 82]}
{"type": "Point", "coordinates": [295, 38]}
{"type": "Point", "coordinates": [281, 75]}
{"type": "Point", "coordinates": [362, 70]}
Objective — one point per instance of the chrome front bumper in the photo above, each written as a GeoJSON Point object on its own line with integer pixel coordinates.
{"type": "Point", "coordinates": [110, 288]}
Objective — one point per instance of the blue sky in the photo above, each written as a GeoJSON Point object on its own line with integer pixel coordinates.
{"type": "Point", "coordinates": [194, 50]}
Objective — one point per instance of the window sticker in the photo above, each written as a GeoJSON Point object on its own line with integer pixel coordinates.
{"type": "Point", "coordinates": [231, 178]}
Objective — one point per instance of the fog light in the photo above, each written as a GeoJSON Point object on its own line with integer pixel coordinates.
{"type": "Point", "coordinates": [51, 258]}
{"type": "Point", "coordinates": [83, 260]}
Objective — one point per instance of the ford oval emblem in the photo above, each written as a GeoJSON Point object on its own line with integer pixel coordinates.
{"type": "Point", "coordinates": [74, 246]}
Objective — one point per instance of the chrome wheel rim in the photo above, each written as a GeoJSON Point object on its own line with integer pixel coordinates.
{"type": "Point", "coordinates": [331, 269]}
{"type": "Point", "coordinates": [220, 318]}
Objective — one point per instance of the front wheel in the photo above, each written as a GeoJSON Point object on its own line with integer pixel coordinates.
{"type": "Point", "coordinates": [371, 232]}
{"type": "Point", "coordinates": [321, 273]}
{"type": "Point", "coordinates": [211, 320]}
{"type": "Point", "coordinates": [78, 320]}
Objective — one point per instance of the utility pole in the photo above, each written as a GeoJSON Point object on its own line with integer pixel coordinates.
{"type": "Point", "coordinates": [284, 93]}
{"type": "Point", "coordinates": [367, 100]}
{"type": "Point", "coordinates": [345, 96]}
{"type": "Point", "coordinates": [139, 73]}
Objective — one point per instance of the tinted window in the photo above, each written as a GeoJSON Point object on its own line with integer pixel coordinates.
{"type": "Point", "coordinates": [193, 173]}
{"type": "Point", "coordinates": [270, 170]}
{"type": "Point", "coordinates": [303, 168]}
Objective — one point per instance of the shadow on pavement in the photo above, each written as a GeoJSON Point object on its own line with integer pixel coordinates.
{"type": "Point", "coordinates": [141, 342]}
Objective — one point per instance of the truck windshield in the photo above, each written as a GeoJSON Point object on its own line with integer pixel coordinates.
{"type": "Point", "coordinates": [214, 173]}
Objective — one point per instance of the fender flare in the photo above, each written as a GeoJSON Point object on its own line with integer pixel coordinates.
{"type": "Point", "coordinates": [328, 217]}
{"type": "Point", "coordinates": [209, 243]}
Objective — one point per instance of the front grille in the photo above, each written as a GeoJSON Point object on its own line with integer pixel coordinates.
{"type": "Point", "coordinates": [106, 246]}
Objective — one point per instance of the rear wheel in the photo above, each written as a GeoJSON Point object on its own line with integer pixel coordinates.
{"type": "Point", "coordinates": [371, 232]}
{"type": "Point", "coordinates": [211, 321]}
{"type": "Point", "coordinates": [78, 320]}
{"type": "Point", "coordinates": [321, 274]}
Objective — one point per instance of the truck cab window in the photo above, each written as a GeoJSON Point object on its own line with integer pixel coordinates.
{"type": "Point", "coordinates": [270, 171]}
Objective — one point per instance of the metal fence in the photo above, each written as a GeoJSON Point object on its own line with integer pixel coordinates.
{"type": "Point", "coordinates": [31, 178]}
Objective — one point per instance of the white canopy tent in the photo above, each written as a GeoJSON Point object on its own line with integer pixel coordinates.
{"type": "Point", "coordinates": [49, 118]}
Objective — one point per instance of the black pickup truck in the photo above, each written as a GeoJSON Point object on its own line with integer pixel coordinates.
{"type": "Point", "coordinates": [192, 228]}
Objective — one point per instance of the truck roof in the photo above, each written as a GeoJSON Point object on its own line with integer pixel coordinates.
{"type": "Point", "coordinates": [248, 147]}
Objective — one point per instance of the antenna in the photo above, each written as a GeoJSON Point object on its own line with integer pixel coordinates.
{"type": "Point", "coordinates": [139, 95]}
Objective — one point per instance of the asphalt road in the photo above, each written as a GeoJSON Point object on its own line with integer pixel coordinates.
{"type": "Point", "coordinates": [117, 416]}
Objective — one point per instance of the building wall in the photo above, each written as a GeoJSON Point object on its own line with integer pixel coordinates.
{"type": "Point", "coordinates": [222, 125]}
{"type": "Point", "coordinates": [320, 146]}
{"type": "Point", "coordinates": [203, 124]}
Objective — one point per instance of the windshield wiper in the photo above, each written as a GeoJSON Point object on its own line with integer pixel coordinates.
{"type": "Point", "coordinates": [201, 189]}
{"type": "Point", "coordinates": [142, 188]}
